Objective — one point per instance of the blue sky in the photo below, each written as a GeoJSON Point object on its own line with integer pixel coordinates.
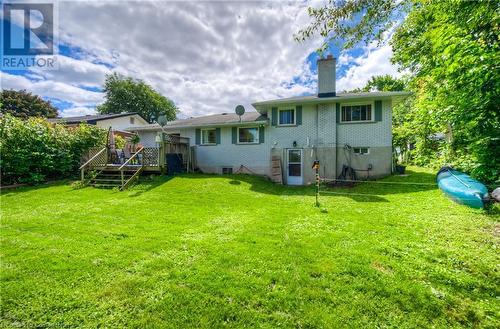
{"type": "Point", "coordinates": [207, 57]}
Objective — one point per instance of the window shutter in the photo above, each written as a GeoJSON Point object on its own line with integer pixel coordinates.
{"type": "Point", "coordinates": [337, 109]}
{"type": "Point", "coordinates": [378, 110]}
{"type": "Point", "coordinates": [217, 135]}
{"type": "Point", "coordinates": [298, 113]}
{"type": "Point", "coordinates": [234, 136]}
{"type": "Point", "coordinates": [274, 116]}
{"type": "Point", "coordinates": [197, 133]}
{"type": "Point", "coordinates": [261, 135]}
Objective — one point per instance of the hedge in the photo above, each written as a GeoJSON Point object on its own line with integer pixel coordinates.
{"type": "Point", "coordinates": [34, 150]}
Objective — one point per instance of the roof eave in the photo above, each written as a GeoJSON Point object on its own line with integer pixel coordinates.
{"type": "Point", "coordinates": [208, 125]}
{"type": "Point", "coordinates": [224, 124]}
{"type": "Point", "coordinates": [260, 106]}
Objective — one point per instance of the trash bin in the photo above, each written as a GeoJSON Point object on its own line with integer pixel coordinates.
{"type": "Point", "coordinates": [174, 163]}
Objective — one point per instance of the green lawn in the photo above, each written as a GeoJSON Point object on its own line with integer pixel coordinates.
{"type": "Point", "coordinates": [238, 251]}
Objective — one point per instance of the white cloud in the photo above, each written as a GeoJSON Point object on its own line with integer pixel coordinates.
{"type": "Point", "coordinates": [77, 111]}
{"type": "Point", "coordinates": [75, 72]}
{"type": "Point", "coordinates": [206, 56]}
{"type": "Point", "coordinates": [51, 89]}
{"type": "Point", "coordinates": [374, 61]}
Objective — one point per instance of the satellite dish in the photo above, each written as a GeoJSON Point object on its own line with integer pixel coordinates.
{"type": "Point", "coordinates": [162, 120]}
{"type": "Point", "coordinates": [240, 110]}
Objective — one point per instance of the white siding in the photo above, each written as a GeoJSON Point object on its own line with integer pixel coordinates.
{"type": "Point", "coordinates": [148, 138]}
{"type": "Point", "coordinates": [212, 158]}
{"type": "Point", "coordinates": [318, 129]}
{"type": "Point", "coordinates": [368, 134]}
{"type": "Point", "coordinates": [121, 123]}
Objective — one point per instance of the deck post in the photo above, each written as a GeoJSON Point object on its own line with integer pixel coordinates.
{"type": "Point", "coordinates": [83, 174]}
{"type": "Point", "coordinates": [122, 176]}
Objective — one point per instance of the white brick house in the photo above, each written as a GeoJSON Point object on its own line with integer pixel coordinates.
{"type": "Point", "coordinates": [298, 130]}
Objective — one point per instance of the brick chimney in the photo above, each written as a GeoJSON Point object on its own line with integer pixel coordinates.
{"type": "Point", "coordinates": [326, 76]}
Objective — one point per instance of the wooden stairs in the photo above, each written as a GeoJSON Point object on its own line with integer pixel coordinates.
{"type": "Point", "coordinates": [104, 175]}
{"type": "Point", "coordinates": [112, 177]}
{"type": "Point", "coordinates": [276, 171]}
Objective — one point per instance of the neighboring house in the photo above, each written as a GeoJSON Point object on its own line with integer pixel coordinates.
{"type": "Point", "coordinates": [118, 122]}
{"type": "Point", "coordinates": [297, 131]}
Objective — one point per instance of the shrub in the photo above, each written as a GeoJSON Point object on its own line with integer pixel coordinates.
{"type": "Point", "coordinates": [35, 150]}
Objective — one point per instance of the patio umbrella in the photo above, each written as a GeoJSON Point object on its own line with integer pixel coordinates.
{"type": "Point", "coordinates": [111, 146]}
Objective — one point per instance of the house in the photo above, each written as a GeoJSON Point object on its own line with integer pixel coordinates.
{"type": "Point", "coordinates": [118, 122]}
{"type": "Point", "coordinates": [338, 129]}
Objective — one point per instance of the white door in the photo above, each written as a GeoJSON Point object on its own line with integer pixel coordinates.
{"type": "Point", "coordinates": [294, 167]}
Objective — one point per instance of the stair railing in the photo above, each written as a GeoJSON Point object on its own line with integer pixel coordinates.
{"type": "Point", "coordinates": [90, 162]}
{"type": "Point", "coordinates": [133, 157]}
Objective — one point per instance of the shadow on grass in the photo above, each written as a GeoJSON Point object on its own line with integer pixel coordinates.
{"type": "Point", "coordinates": [372, 191]}
{"type": "Point", "coordinates": [147, 184]}
{"type": "Point", "coordinates": [21, 189]}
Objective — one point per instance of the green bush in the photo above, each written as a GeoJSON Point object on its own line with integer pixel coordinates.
{"type": "Point", "coordinates": [35, 150]}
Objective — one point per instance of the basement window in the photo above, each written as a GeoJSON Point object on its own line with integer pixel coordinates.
{"type": "Point", "coordinates": [361, 150]}
{"type": "Point", "coordinates": [227, 170]}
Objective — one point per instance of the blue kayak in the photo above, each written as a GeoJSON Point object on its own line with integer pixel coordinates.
{"type": "Point", "coordinates": [462, 188]}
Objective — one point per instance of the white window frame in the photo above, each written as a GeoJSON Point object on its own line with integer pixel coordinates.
{"type": "Point", "coordinates": [361, 147]}
{"type": "Point", "coordinates": [246, 143]}
{"type": "Point", "coordinates": [294, 117]}
{"type": "Point", "coordinates": [201, 137]}
{"type": "Point", "coordinates": [372, 119]}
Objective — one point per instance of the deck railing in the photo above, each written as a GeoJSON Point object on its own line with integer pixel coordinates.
{"type": "Point", "coordinates": [98, 160]}
{"type": "Point", "coordinates": [131, 163]}
{"type": "Point", "coordinates": [151, 157]}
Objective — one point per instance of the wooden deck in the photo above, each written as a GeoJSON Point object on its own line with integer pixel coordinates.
{"type": "Point", "coordinates": [98, 171]}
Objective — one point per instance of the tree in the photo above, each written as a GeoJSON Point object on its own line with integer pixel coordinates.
{"type": "Point", "coordinates": [34, 150]}
{"type": "Point", "coordinates": [23, 104]}
{"type": "Point", "coordinates": [125, 94]}
{"type": "Point", "coordinates": [385, 83]}
{"type": "Point", "coordinates": [403, 111]}
{"type": "Point", "coordinates": [451, 50]}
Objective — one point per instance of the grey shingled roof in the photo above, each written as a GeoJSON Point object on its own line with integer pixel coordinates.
{"type": "Point", "coordinates": [223, 119]}
{"type": "Point", "coordinates": [339, 96]}
{"type": "Point", "coordinates": [91, 118]}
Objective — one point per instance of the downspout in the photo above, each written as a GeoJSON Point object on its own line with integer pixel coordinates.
{"type": "Point", "coordinates": [336, 143]}
{"type": "Point", "coordinates": [315, 145]}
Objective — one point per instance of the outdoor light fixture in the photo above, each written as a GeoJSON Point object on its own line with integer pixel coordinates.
{"type": "Point", "coordinates": [294, 143]}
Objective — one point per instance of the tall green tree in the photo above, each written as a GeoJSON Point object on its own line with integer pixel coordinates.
{"type": "Point", "coordinates": [125, 94]}
{"type": "Point", "coordinates": [403, 133]}
{"type": "Point", "coordinates": [385, 83]}
{"type": "Point", "coordinates": [451, 49]}
{"type": "Point", "coordinates": [23, 104]}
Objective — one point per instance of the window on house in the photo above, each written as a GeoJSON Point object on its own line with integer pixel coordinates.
{"type": "Point", "coordinates": [286, 117]}
{"type": "Point", "coordinates": [208, 136]}
{"type": "Point", "coordinates": [361, 150]}
{"type": "Point", "coordinates": [248, 135]}
{"type": "Point", "coordinates": [132, 120]}
{"type": "Point", "coordinates": [356, 113]}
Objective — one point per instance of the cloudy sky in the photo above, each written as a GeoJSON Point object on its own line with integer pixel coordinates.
{"type": "Point", "coordinates": [206, 56]}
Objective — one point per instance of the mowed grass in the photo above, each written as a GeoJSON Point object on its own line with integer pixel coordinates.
{"type": "Point", "coordinates": [239, 251]}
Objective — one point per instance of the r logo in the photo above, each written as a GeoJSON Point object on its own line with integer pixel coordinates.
{"type": "Point", "coordinates": [28, 29]}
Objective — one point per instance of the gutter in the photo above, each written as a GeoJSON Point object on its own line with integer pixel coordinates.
{"type": "Point", "coordinates": [210, 125]}
{"type": "Point", "coordinates": [322, 100]}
